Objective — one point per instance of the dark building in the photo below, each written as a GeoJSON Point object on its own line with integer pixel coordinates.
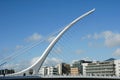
{"type": "Point", "coordinates": [6, 71]}
{"type": "Point", "coordinates": [63, 68]}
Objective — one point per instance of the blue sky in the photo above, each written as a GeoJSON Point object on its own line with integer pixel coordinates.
{"type": "Point", "coordinates": [25, 21]}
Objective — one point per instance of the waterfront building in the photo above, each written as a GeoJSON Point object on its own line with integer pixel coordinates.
{"type": "Point", "coordinates": [52, 70]}
{"type": "Point", "coordinates": [75, 71]}
{"type": "Point", "coordinates": [84, 68]}
{"type": "Point", "coordinates": [48, 71]}
{"type": "Point", "coordinates": [106, 68]}
{"type": "Point", "coordinates": [110, 67]}
{"type": "Point", "coordinates": [117, 68]}
{"type": "Point", "coordinates": [78, 64]}
{"type": "Point", "coordinates": [63, 69]}
{"type": "Point", "coordinates": [6, 71]}
{"type": "Point", "coordinates": [43, 71]}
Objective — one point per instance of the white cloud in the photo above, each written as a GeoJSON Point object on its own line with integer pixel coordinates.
{"type": "Point", "coordinates": [74, 61]}
{"type": "Point", "coordinates": [53, 61]}
{"type": "Point", "coordinates": [110, 39]}
{"type": "Point", "coordinates": [87, 37]}
{"type": "Point", "coordinates": [79, 51]}
{"type": "Point", "coordinates": [18, 47]}
{"type": "Point", "coordinates": [87, 59]}
{"type": "Point", "coordinates": [97, 36]}
{"type": "Point", "coordinates": [50, 39]}
{"type": "Point", "coordinates": [48, 61]}
{"type": "Point", "coordinates": [94, 36]}
{"type": "Point", "coordinates": [95, 44]}
{"type": "Point", "coordinates": [34, 60]}
{"type": "Point", "coordinates": [117, 52]}
{"type": "Point", "coordinates": [34, 37]}
{"type": "Point", "coordinates": [23, 64]}
{"type": "Point", "coordinates": [9, 66]}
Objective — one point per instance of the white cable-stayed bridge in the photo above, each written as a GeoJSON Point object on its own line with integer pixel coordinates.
{"type": "Point", "coordinates": [35, 67]}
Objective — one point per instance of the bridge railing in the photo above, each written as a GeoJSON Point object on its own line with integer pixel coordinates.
{"type": "Point", "coordinates": [78, 76]}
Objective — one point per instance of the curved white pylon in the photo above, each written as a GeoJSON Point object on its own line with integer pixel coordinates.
{"type": "Point", "coordinates": [36, 66]}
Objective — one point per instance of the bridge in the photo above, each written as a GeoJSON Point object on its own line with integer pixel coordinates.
{"type": "Point", "coordinates": [37, 65]}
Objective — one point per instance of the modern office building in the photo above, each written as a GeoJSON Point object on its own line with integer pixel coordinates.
{"type": "Point", "coordinates": [52, 70]}
{"type": "Point", "coordinates": [106, 68]}
{"type": "Point", "coordinates": [117, 68]}
{"type": "Point", "coordinates": [78, 64]}
{"type": "Point", "coordinates": [48, 71]}
{"type": "Point", "coordinates": [84, 68]}
{"type": "Point", "coordinates": [63, 69]}
{"type": "Point", "coordinates": [109, 67]}
{"type": "Point", "coordinates": [75, 71]}
{"type": "Point", "coordinates": [43, 71]}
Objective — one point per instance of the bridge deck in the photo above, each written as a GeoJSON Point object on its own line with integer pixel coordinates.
{"type": "Point", "coordinates": [58, 78]}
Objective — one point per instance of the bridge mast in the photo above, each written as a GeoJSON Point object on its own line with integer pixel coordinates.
{"type": "Point", "coordinates": [37, 65]}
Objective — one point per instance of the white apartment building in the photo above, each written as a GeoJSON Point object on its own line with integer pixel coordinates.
{"type": "Point", "coordinates": [59, 66]}
{"type": "Point", "coordinates": [43, 71]}
{"type": "Point", "coordinates": [104, 68]}
{"type": "Point", "coordinates": [117, 67]}
{"type": "Point", "coordinates": [52, 70]}
{"type": "Point", "coordinates": [48, 71]}
{"type": "Point", "coordinates": [84, 68]}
